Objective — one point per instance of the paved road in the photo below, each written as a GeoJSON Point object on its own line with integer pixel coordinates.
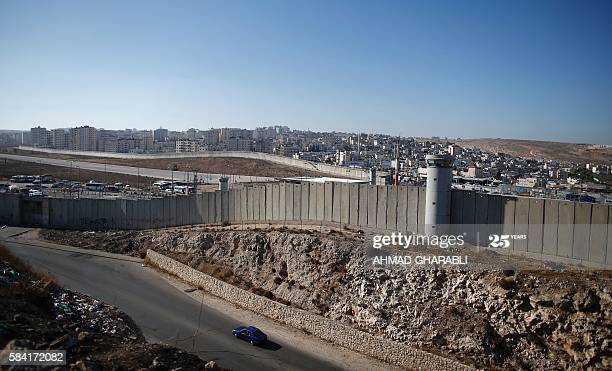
{"type": "Point", "coordinates": [130, 170]}
{"type": "Point", "coordinates": [164, 313]}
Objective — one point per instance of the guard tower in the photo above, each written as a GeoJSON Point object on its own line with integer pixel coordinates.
{"type": "Point", "coordinates": [438, 193]}
{"type": "Point", "coordinates": [223, 183]}
{"type": "Point", "coordinates": [372, 176]}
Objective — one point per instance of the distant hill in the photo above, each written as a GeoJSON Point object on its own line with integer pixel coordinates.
{"type": "Point", "coordinates": [571, 152]}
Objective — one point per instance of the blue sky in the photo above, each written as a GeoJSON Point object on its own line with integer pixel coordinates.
{"type": "Point", "coordinates": [512, 69]}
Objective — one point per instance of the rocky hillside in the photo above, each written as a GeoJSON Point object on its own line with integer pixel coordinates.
{"type": "Point", "coordinates": [497, 319]}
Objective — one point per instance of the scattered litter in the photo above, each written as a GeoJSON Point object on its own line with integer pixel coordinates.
{"type": "Point", "coordinates": [7, 273]}
{"type": "Point", "coordinates": [91, 314]}
{"type": "Point", "coordinates": [95, 333]}
{"type": "Point", "coordinates": [190, 289]}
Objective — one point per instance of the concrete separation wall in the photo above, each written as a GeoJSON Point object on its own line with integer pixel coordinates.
{"type": "Point", "coordinates": [574, 232]}
{"type": "Point", "coordinates": [354, 204]}
{"type": "Point", "coordinates": [297, 202]}
{"type": "Point", "coordinates": [412, 209]}
{"type": "Point", "coordinates": [262, 202]}
{"type": "Point", "coordinates": [305, 189]}
{"type": "Point", "coordinates": [336, 202]}
{"type": "Point", "coordinates": [312, 201]}
{"type": "Point", "coordinates": [329, 201]}
{"type": "Point", "coordinates": [324, 328]}
{"type": "Point", "coordinates": [345, 203]}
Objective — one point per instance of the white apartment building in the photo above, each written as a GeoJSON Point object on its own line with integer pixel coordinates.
{"type": "Point", "coordinates": [59, 139]}
{"type": "Point", "coordinates": [185, 145]}
{"type": "Point", "coordinates": [239, 144]}
{"type": "Point", "coordinates": [83, 138]}
{"type": "Point", "coordinates": [529, 182]}
{"type": "Point", "coordinates": [40, 137]}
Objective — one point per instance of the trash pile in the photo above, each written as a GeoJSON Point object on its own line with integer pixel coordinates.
{"type": "Point", "coordinates": [82, 311]}
{"type": "Point", "coordinates": [7, 273]}
{"type": "Point", "coordinates": [92, 315]}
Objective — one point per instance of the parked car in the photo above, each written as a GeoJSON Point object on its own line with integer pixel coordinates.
{"type": "Point", "coordinates": [181, 189]}
{"type": "Point", "coordinates": [75, 186]}
{"type": "Point", "coordinates": [163, 184]}
{"type": "Point", "coordinates": [35, 192]}
{"type": "Point", "coordinates": [580, 198]}
{"type": "Point", "coordinates": [45, 178]}
{"type": "Point", "coordinates": [251, 334]}
{"type": "Point", "coordinates": [95, 186]}
{"type": "Point", "coordinates": [19, 179]}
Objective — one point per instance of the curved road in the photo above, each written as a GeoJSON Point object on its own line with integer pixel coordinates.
{"type": "Point", "coordinates": [131, 170]}
{"type": "Point", "coordinates": [163, 312]}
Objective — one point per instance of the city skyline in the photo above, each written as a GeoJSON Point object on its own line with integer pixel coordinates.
{"type": "Point", "coordinates": [526, 71]}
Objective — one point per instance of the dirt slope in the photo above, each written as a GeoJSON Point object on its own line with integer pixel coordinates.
{"type": "Point", "coordinates": [216, 165]}
{"type": "Point", "coordinates": [492, 319]}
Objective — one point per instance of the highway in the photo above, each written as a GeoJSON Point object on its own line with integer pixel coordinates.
{"type": "Point", "coordinates": [169, 315]}
{"type": "Point", "coordinates": [130, 170]}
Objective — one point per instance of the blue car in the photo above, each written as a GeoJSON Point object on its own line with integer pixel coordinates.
{"type": "Point", "coordinates": [251, 334]}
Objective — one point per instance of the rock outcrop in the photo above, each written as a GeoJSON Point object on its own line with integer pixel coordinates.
{"type": "Point", "coordinates": [534, 319]}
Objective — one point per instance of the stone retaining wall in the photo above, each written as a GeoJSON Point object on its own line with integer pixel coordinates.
{"type": "Point", "coordinates": [324, 328]}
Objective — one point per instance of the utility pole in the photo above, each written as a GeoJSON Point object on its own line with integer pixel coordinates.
{"type": "Point", "coordinates": [195, 180]}
{"type": "Point", "coordinates": [174, 167]}
{"type": "Point", "coordinates": [397, 163]}
{"type": "Point", "coordinates": [79, 177]}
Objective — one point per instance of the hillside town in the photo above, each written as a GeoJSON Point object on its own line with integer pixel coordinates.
{"type": "Point", "coordinates": [395, 159]}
